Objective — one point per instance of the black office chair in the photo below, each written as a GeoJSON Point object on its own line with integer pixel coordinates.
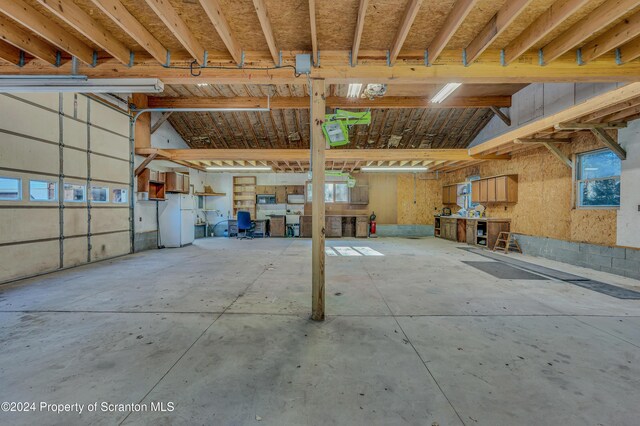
{"type": "Point", "coordinates": [245, 224]}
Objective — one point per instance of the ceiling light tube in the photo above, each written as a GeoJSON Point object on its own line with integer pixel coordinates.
{"type": "Point", "coordinates": [240, 169]}
{"type": "Point", "coordinates": [444, 93]}
{"type": "Point", "coordinates": [354, 90]}
{"type": "Point", "coordinates": [394, 169]}
{"type": "Point", "coordinates": [78, 84]}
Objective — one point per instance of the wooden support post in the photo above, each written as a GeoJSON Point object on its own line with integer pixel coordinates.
{"type": "Point", "coordinates": [145, 163]}
{"type": "Point", "coordinates": [142, 131]}
{"type": "Point", "coordinates": [608, 141]}
{"type": "Point", "coordinates": [317, 202]}
{"type": "Point", "coordinates": [504, 117]}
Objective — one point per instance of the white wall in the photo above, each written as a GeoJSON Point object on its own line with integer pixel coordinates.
{"type": "Point", "coordinates": [629, 213]}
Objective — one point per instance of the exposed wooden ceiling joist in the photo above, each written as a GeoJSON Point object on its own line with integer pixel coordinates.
{"type": "Point", "coordinates": [265, 23]}
{"type": "Point", "coordinates": [357, 38]}
{"type": "Point", "coordinates": [314, 32]}
{"type": "Point", "coordinates": [629, 51]}
{"type": "Point", "coordinates": [541, 27]}
{"type": "Point", "coordinates": [73, 15]}
{"type": "Point", "coordinates": [623, 32]}
{"type": "Point", "coordinates": [10, 53]}
{"type": "Point", "coordinates": [217, 18]}
{"type": "Point", "coordinates": [410, 13]}
{"type": "Point", "coordinates": [455, 18]}
{"type": "Point", "coordinates": [496, 26]}
{"type": "Point", "coordinates": [605, 14]}
{"type": "Point", "coordinates": [30, 18]}
{"type": "Point", "coordinates": [178, 28]}
{"type": "Point", "coordinates": [13, 34]}
{"type": "Point", "coordinates": [132, 27]}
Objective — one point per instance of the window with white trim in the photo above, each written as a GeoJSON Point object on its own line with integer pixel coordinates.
{"type": "Point", "coordinates": [120, 196]}
{"type": "Point", "coordinates": [10, 189]}
{"type": "Point", "coordinates": [598, 179]}
{"type": "Point", "coordinates": [99, 194]}
{"type": "Point", "coordinates": [43, 190]}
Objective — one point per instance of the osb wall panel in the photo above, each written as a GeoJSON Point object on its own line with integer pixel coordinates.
{"type": "Point", "coordinates": [418, 199]}
{"type": "Point", "coordinates": [545, 194]}
{"type": "Point", "coordinates": [382, 196]}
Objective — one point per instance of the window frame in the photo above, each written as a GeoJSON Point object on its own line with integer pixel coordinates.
{"type": "Point", "coordinates": [84, 193]}
{"type": "Point", "coordinates": [125, 199]}
{"type": "Point", "coordinates": [578, 181]}
{"type": "Point", "coordinates": [20, 196]}
{"type": "Point", "coordinates": [56, 191]}
{"type": "Point", "coordinates": [99, 187]}
{"type": "Point", "coordinates": [309, 197]}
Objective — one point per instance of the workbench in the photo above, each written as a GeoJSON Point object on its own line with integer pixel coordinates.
{"type": "Point", "coordinates": [337, 226]}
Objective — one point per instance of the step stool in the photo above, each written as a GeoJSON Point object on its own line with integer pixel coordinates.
{"type": "Point", "coordinates": [510, 243]}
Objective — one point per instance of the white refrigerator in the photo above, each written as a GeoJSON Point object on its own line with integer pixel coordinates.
{"type": "Point", "coordinates": [177, 221]}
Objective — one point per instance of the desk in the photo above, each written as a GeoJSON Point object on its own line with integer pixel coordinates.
{"type": "Point", "coordinates": [260, 229]}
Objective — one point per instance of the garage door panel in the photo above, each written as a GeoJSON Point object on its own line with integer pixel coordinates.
{"type": "Point", "coordinates": [74, 133]}
{"type": "Point", "coordinates": [75, 222]}
{"type": "Point", "coordinates": [108, 118]}
{"type": "Point", "coordinates": [23, 260]}
{"type": "Point", "coordinates": [110, 144]}
{"type": "Point", "coordinates": [75, 163]}
{"type": "Point", "coordinates": [29, 224]}
{"type": "Point", "coordinates": [28, 154]}
{"type": "Point", "coordinates": [75, 251]}
{"type": "Point", "coordinates": [27, 119]}
{"type": "Point", "coordinates": [110, 245]}
{"type": "Point", "coordinates": [47, 100]}
{"type": "Point", "coordinates": [75, 105]}
{"type": "Point", "coordinates": [109, 169]}
{"type": "Point", "coordinates": [108, 220]}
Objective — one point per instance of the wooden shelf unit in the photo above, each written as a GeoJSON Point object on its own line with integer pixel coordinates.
{"type": "Point", "coordinates": [244, 195]}
{"type": "Point", "coordinates": [152, 182]}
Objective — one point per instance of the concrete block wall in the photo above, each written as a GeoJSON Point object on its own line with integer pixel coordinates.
{"type": "Point", "coordinates": [404, 230]}
{"type": "Point", "coordinates": [616, 260]}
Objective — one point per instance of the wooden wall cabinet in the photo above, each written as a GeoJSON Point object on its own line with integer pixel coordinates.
{"type": "Point", "coordinates": [359, 195]}
{"type": "Point", "coordinates": [497, 189]}
{"type": "Point", "coordinates": [277, 226]}
{"type": "Point", "coordinates": [177, 182]}
{"type": "Point", "coordinates": [475, 191]}
{"type": "Point", "coordinates": [152, 182]}
{"type": "Point", "coordinates": [450, 194]}
{"type": "Point", "coordinates": [333, 226]}
{"type": "Point", "coordinates": [362, 227]}
{"type": "Point", "coordinates": [281, 195]}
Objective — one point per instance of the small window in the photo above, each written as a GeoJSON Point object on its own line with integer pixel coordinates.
{"type": "Point", "coordinates": [328, 193]}
{"type": "Point", "coordinates": [99, 194]}
{"type": "Point", "coordinates": [337, 192]}
{"type": "Point", "coordinates": [598, 179]}
{"type": "Point", "coordinates": [309, 194]}
{"type": "Point", "coordinates": [10, 189]}
{"type": "Point", "coordinates": [341, 193]}
{"type": "Point", "coordinates": [471, 179]}
{"type": "Point", "coordinates": [74, 193]}
{"type": "Point", "coordinates": [120, 196]}
{"type": "Point", "coordinates": [43, 190]}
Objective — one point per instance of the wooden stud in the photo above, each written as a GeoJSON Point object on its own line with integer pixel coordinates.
{"type": "Point", "coordinates": [558, 154]}
{"type": "Point", "coordinates": [541, 27]}
{"type": "Point", "coordinates": [214, 12]}
{"type": "Point", "coordinates": [10, 53]}
{"type": "Point", "coordinates": [454, 20]}
{"type": "Point", "coordinates": [623, 32]}
{"type": "Point", "coordinates": [132, 27]}
{"type": "Point", "coordinates": [265, 23]}
{"type": "Point", "coordinates": [501, 115]}
{"type": "Point", "coordinates": [410, 14]}
{"type": "Point", "coordinates": [607, 13]}
{"type": "Point", "coordinates": [13, 34]}
{"type": "Point", "coordinates": [314, 32]}
{"type": "Point", "coordinates": [496, 26]}
{"type": "Point", "coordinates": [608, 141]}
{"type": "Point", "coordinates": [178, 28]}
{"type": "Point", "coordinates": [362, 12]}
{"type": "Point", "coordinates": [82, 22]}
{"type": "Point", "coordinates": [164, 117]}
{"type": "Point", "coordinates": [44, 27]}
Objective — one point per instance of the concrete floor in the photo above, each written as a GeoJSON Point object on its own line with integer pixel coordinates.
{"type": "Point", "coordinates": [221, 330]}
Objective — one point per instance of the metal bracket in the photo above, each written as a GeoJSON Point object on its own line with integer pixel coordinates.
{"type": "Point", "coordinates": [168, 63]}
{"type": "Point", "coordinates": [351, 59]}
{"type": "Point", "coordinates": [206, 56]}
{"type": "Point", "coordinates": [426, 58]}
{"type": "Point", "coordinates": [579, 57]}
{"type": "Point", "coordinates": [95, 59]}
{"type": "Point", "coordinates": [130, 58]}
{"type": "Point", "coordinates": [241, 64]}
{"type": "Point", "coordinates": [502, 60]}
{"type": "Point", "coordinates": [464, 57]}
{"type": "Point", "coordinates": [21, 60]}
{"type": "Point", "coordinates": [58, 58]}
{"type": "Point", "coordinates": [388, 58]}
{"type": "Point", "coordinates": [74, 65]}
{"type": "Point", "coordinates": [280, 58]}
{"type": "Point", "coordinates": [317, 64]}
{"type": "Point", "coordinates": [618, 56]}
{"type": "Point", "coordinates": [540, 58]}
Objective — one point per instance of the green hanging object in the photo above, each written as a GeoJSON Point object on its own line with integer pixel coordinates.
{"type": "Point", "coordinates": [336, 126]}
{"type": "Point", "coordinates": [351, 181]}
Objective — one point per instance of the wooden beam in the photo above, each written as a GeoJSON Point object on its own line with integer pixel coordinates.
{"type": "Point", "coordinates": [607, 13]}
{"type": "Point", "coordinates": [214, 12]}
{"type": "Point", "coordinates": [10, 53]}
{"type": "Point", "coordinates": [362, 12]}
{"type": "Point", "coordinates": [541, 27]}
{"type": "Point", "coordinates": [317, 203]}
{"type": "Point", "coordinates": [589, 126]}
{"type": "Point", "coordinates": [629, 51]}
{"type": "Point", "coordinates": [265, 23]}
{"type": "Point", "coordinates": [119, 14]}
{"type": "Point", "coordinates": [496, 26]}
{"type": "Point", "coordinates": [178, 28]}
{"type": "Point", "coordinates": [410, 14]}
{"type": "Point", "coordinates": [145, 163]}
{"type": "Point", "coordinates": [454, 20]}
{"type": "Point", "coordinates": [82, 22]}
{"type": "Point", "coordinates": [164, 117]}
{"type": "Point", "coordinates": [142, 130]}
{"type": "Point", "coordinates": [589, 106]}
{"type": "Point", "coordinates": [299, 102]}
{"type": "Point", "coordinates": [13, 34]}
{"type": "Point", "coordinates": [617, 36]}
{"type": "Point", "coordinates": [501, 115]}
{"type": "Point", "coordinates": [541, 140]}
{"type": "Point", "coordinates": [44, 27]}
{"type": "Point", "coordinates": [314, 32]}
{"type": "Point", "coordinates": [608, 141]}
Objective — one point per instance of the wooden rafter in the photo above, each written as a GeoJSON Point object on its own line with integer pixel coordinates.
{"type": "Point", "coordinates": [130, 25]}
{"type": "Point", "coordinates": [623, 32]}
{"type": "Point", "coordinates": [496, 26]}
{"type": "Point", "coordinates": [629, 51]}
{"type": "Point", "coordinates": [164, 117]}
{"type": "Point", "coordinates": [217, 18]}
{"type": "Point", "coordinates": [504, 117]}
{"type": "Point", "coordinates": [10, 53]}
{"type": "Point", "coordinates": [541, 27]}
{"type": "Point", "coordinates": [605, 14]}
{"type": "Point", "coordinates": [410, 14]}
{"type": "Point", "coordinates": [44, 27]}
{"type": "Point", "coordinates": [314, 32]}
{"type": "Point", "coordinates": [73, 15]}
{"type": "Point", "coordinates": [265, 23]}
{"type": "Point", "coordinates": [362, 12]}
{"type": "Point", "coordinates": [454, 20]}
{"type": "Point", "coordinates": [13, 34]}
{"type": "Point", "coordinates": [178, 28]}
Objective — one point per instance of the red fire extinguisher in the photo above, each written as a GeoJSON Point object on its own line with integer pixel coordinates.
{"type": "Point", "coordinates": [372, 225]}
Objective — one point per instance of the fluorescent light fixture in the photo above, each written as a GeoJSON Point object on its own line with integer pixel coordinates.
{"type": "Point", "coordinates": [354, 90]}
{"type": "Point", "coordinates": [202, 84]}
{"type": "Point", "coordinates": [240, 169]}
{"type": "Point", "coordinates": [78, 84]}
{"type": "Point", "coordinates": [444, 93]}
{"type": "Point", "coordinates": [394, 169]}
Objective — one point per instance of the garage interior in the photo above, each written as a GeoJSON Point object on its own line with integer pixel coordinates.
{"type": "Point", "coordinates": [309, 212]}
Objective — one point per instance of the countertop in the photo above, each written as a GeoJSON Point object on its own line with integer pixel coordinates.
{"type": "Point", "coordinates": [486, 219]}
